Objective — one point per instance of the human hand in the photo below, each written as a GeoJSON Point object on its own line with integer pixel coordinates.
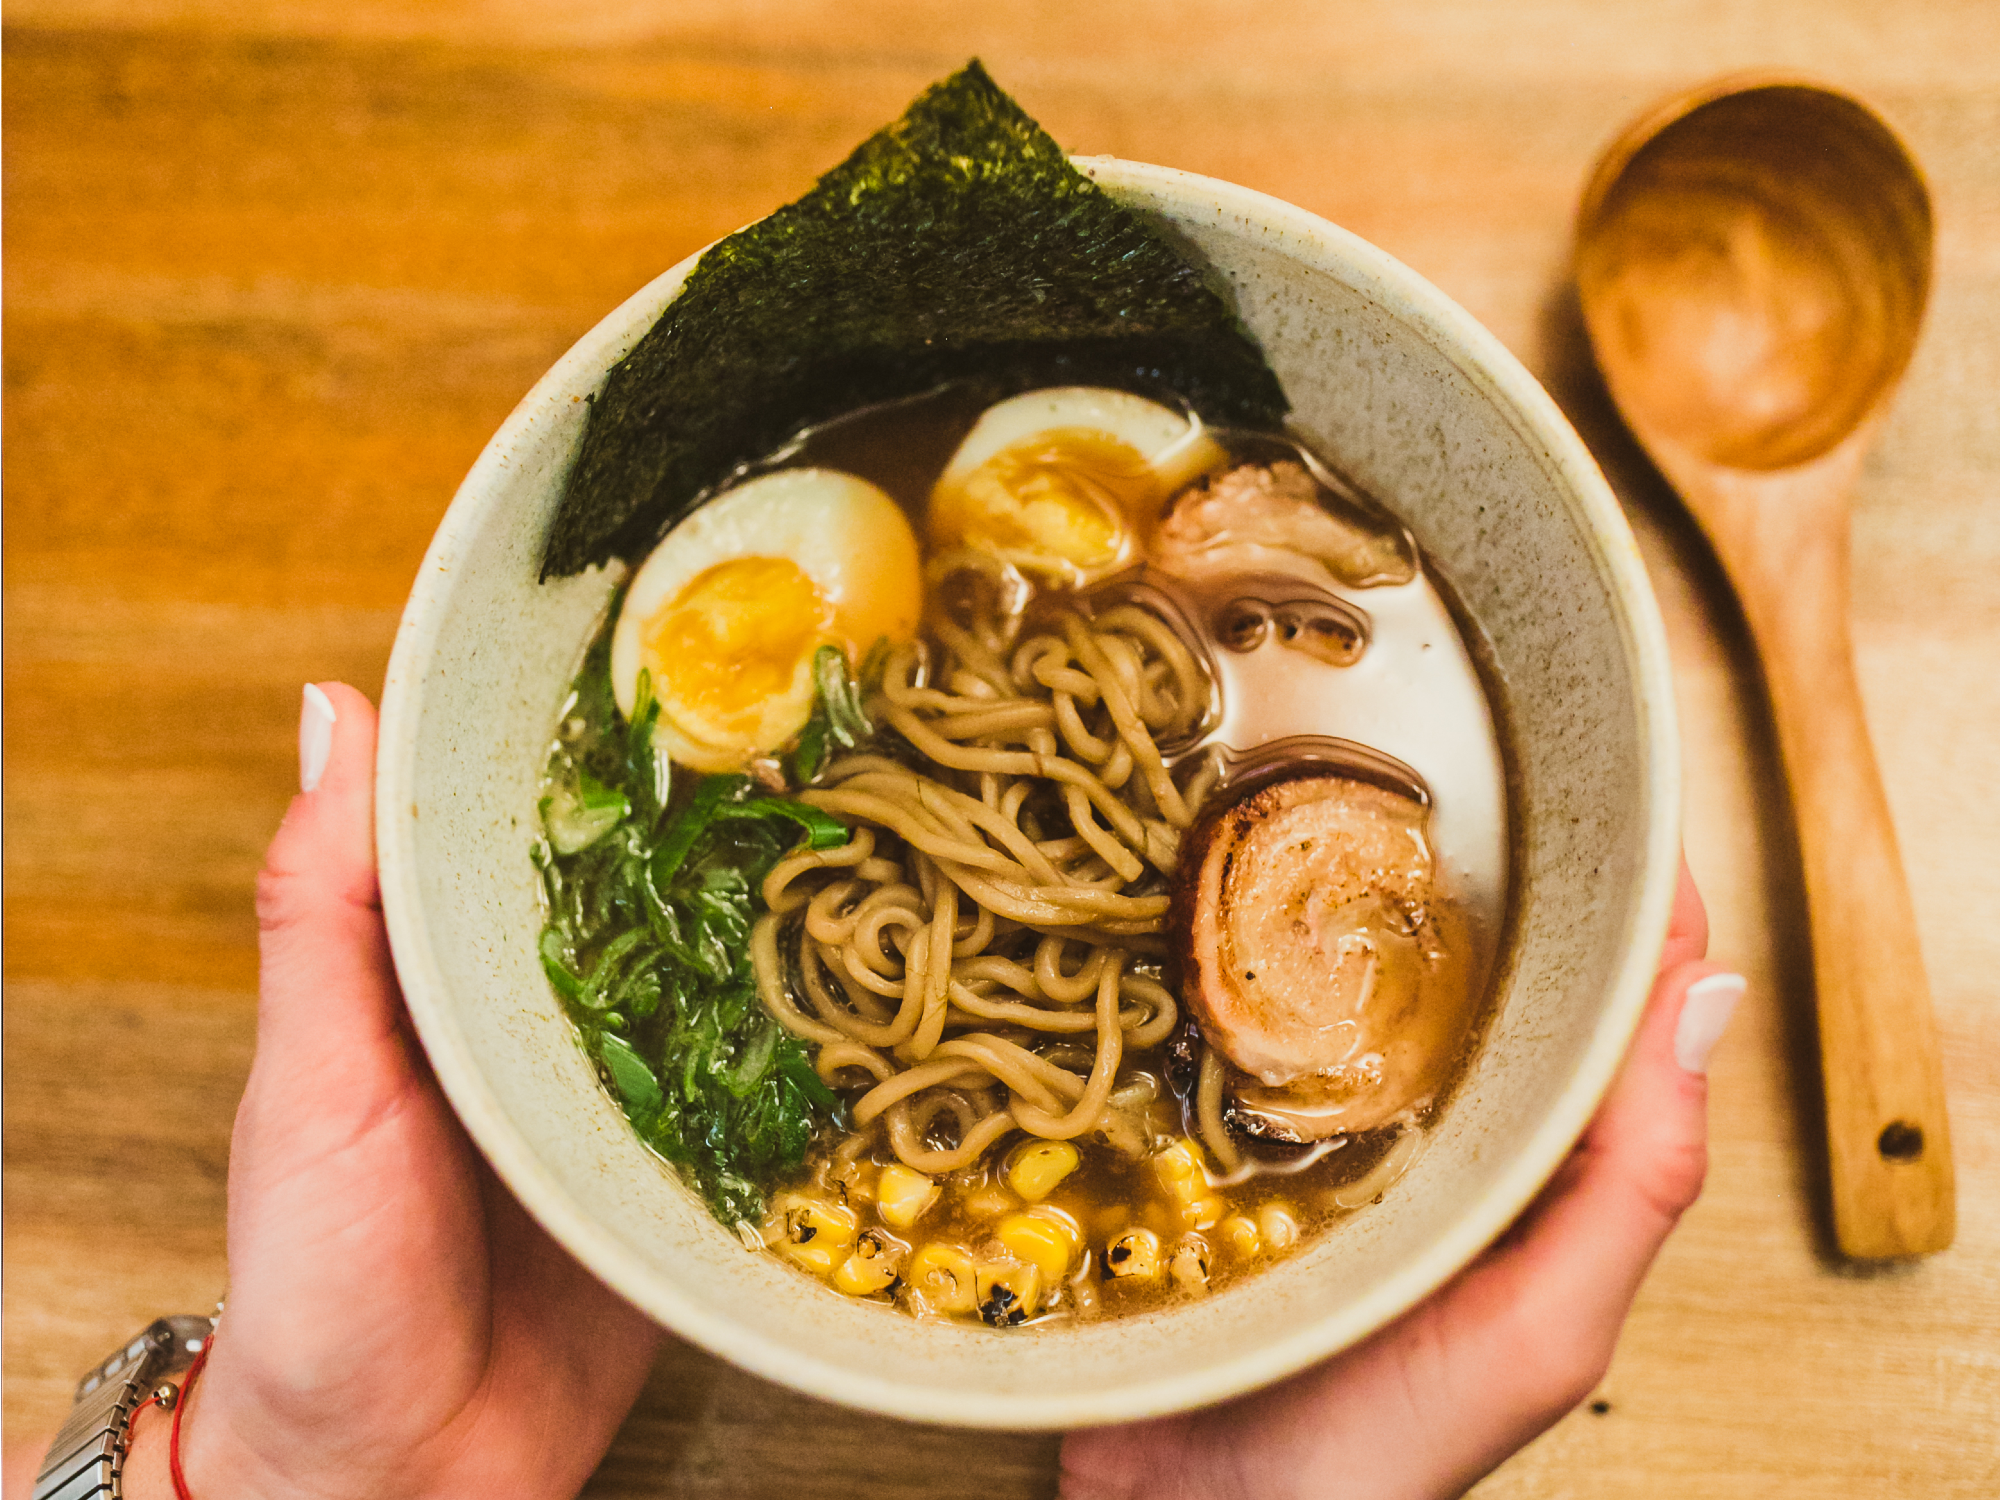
{"type": "Point", "coordinates": [397, 1323]}
{"type": "Point", "coordinates": [1427, 1406]}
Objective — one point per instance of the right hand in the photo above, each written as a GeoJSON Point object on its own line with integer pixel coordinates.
{"type": "Point", "coordinates": [1432, 1403]}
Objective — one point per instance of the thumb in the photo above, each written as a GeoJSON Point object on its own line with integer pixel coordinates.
{"type": "Point", "coordinates": [326, 983]}
{"type": "Point", "coordinates": [1557, 1289]}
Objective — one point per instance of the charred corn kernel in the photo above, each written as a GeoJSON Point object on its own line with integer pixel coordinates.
{"type": "Point", "coordinates": [1135, 1253]}
{"type": "Point", "coordinates": [903, 1196]}
{"type": "Point", "coordinates": [1278, 1226]}
{"type": "Point", "coordinates": [809, 1219]}
{"type": "Point", "coordinates": [943, 1276]}
{"type": "Point", "coordinates": [1189, 1263]}
{"type": "Point", "coordinates": [1180, 1170]}
{"type": "Point", "coordinates": [1038, 1166]}
{"type": "Point", "coordinates": [871, 1267]}
{"type": "Point", "coordinates": [990, 1201]}
{"type": "Point", "coordinates": [817, 1259]}
{"type": "Point", "coordinates": [856, 1180]}
{"type": "Point", "coordinates": [1009, 1292]}
{"type": "Point", "coordinates": [1043, 1240]}
{"type": "Point", "coordinates": [1240, 1235]}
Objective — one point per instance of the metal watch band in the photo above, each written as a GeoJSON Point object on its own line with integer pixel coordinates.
{"type": "Point", "coordinates": [88, 1456]}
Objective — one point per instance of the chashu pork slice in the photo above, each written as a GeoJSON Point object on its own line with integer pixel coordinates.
{"type": "Point", "coordinates": [1312, 959]}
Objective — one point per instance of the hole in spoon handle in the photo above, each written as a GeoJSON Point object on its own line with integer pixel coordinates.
{"type": "Point", "coordinates": [1900, 1141]}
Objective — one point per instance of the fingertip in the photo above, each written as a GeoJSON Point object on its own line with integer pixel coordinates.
{"type": "Point", "coordinates": [1652, 1132]}
{"type": "Point", "coordinates": [1689, 1009]}
{"type": "Point", "coordinates": [346, 719]}
{"type": "Point", "coordinates": [1709, 997]}
{"type": "Point", "coordinates": [329, 826]}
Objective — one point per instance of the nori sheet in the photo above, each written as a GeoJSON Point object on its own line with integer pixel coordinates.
{"type": "Point", "coordinates": [956, 243]}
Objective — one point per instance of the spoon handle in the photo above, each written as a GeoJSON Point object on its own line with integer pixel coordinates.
{"type": "Point", "coordinates": [1783, 537]}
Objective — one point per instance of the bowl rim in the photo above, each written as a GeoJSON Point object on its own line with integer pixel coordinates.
{"type": "Point", "coordinates": [1487, 364]}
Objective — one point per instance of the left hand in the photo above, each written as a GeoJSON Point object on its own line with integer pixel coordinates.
{"type": "Point", "coordinates": [397, 1324]}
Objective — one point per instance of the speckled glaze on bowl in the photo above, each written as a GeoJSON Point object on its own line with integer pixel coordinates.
{"type": "Point", "coordinates": [1418, 403]}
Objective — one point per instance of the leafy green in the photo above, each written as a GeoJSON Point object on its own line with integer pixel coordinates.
{"type": "Point", "coordinates": [957, 243]}
{"type": "Point", "coordinates": [647, 946]}
{"type": "Point", "coordinates": [634, 1080]}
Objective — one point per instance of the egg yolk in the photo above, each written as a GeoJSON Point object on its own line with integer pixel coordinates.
{"type": "Point", "coordinates": [1063, 503]}
{"type": "Point", "coordinates": [734, 648]}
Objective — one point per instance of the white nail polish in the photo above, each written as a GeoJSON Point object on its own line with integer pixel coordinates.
{"type": "Point", "coordinates": [1705, 1016]}
{"type": "Point", "coordinates": [316, 721]}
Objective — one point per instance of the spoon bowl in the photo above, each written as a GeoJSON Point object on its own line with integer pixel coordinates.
{"type": "Point", "coordinates": [1753, 261]}
{"type": "Point", "coordinates": [1754, 269]}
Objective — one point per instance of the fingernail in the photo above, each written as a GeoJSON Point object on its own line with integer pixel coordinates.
{"type": "Point", "coordinates": [316, 720]}
{"type": "Point", "coordinates": [1705, 1016]}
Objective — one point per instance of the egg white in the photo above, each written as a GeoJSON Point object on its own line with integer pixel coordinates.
{"type": "Point", "coordinates": [1177, 447]}
{"type": "Point", "coordinates": [1174, 446]}
{"type": "Point", "coordinates": [850, 540]}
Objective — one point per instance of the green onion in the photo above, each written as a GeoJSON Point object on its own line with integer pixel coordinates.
{"type": "Point", "coordinates": [578, 815]}
{"type": "Point", "coordinates": [810, 752]}
{"type": "Point", "coordinates": [845, 718]}
{"type": "Point", "coordinates": [647, 772]}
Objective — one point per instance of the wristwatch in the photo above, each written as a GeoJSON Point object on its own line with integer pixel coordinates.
{"type": "Point", "coordinates": [88, 1455]}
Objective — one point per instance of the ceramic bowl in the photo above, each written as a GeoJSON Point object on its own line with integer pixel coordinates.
{"type": "Point", "coordinates": [1422, 406]}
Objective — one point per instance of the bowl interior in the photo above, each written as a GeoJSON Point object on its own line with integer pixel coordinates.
{"type": "Point", "coordinates": [1423, 408]}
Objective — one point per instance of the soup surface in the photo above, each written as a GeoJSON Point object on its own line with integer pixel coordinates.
{"type": "Point", "coordinates": [1028, 860]}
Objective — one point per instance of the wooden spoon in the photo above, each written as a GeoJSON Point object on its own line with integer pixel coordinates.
{"type": "Point", "coordinates": [1753, 261]}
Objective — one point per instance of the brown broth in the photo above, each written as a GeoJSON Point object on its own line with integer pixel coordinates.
{"type": "Point", "coordinates": [1386, 671]}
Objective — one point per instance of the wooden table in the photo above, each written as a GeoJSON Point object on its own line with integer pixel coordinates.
{"type": "Point", "coordinates": [275, 271]}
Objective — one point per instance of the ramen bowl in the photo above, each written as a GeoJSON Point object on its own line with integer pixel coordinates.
{"type": "Point", "coordinates": [1418, 404]}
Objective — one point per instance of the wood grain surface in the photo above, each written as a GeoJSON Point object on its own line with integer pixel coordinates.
{"type": "Point", "coordinates": [274, 271]}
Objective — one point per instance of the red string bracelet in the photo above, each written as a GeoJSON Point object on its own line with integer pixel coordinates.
{"type": "Point", "coordinates": [133, 1420]}
{"type": "Point", "coordinates": [181, 1491]}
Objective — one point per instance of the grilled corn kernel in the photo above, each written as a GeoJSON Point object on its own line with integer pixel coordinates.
{"type": "Point", "coordinates": [1240, 1235]}
{"type": "Point", "coordinates": [856, 1182]}
{"type": "Point", "coordinates": [1038, 1166]}
{"type": "Point", "coordinates": [1189, 1263]}
{"type": "Point", "coordinates": [1275, 1222]}
{"type": "Point", "coordinates": [1135, 1253]}
{"type": "Point", "coordinates": [1042, 1239]}
{"type": "Point", "coordinates": [903, 1196]}
{"type": "Point", "coordinates": [1009, 1292]}
{"type": "Point", "coordinates": [806, 1219]}
{"type": "Point", "coordinates": [990, 1201]}
{"type": "Point", "coordinates": [1180, 1170]}
{"type": "Point", "coordinates": [871, 1267]}
{"type": "Point", "coordinates": [943, 1276]}
{"type": "Point", "coordinates": [1203, 1213]}
{"type": "Point", "coordinates": [817, 1259]}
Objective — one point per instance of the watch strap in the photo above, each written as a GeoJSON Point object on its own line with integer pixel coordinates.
{"type": "Point", "coordinates": [88, 1455]}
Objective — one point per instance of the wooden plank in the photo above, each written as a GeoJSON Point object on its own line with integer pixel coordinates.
{"type": "Point", "coordinates": [274, 273]}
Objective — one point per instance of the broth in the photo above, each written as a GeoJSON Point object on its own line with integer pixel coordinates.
{"type": "Point", "coordinates": [1371, 679]}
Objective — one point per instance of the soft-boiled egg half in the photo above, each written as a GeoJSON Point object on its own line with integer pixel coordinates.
{"type": "Point", "coordinates": [1066, 483]}
{"type": "Point", "coordinates": [730, 608]}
